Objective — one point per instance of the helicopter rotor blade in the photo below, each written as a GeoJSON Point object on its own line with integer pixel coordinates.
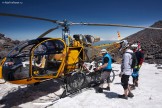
{"type": "Point", "coordinates": [48, 31]}
{"type": "Point", "coordinates": [115, 25]}
{"type": "Point", "coordinates": [29, 17]}
{"type": "Point", "coordinates": [64, 23]}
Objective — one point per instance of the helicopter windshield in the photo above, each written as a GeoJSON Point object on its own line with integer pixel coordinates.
{"type": "Point", "coordinates": [22, 50]}
{"type": "Point", "coordinates": [16, 66]}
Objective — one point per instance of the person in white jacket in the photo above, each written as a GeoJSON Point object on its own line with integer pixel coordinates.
{"type": "Point", "coordinates": [126, 70]}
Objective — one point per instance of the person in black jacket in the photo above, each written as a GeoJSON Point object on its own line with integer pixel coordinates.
{"type": "Point", "coordinates": [140, 58]}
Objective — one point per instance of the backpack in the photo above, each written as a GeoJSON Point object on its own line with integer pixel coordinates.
{"type": "Point", "coordinates": [134, 60]}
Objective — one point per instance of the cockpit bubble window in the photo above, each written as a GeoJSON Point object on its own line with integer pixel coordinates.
{"type": "Point", "coordinates": [54, 46]}
{"type": "Point", "coordinates": [47, 58]}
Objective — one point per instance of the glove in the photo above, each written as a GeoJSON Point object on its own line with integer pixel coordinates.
{"type": "Point", "coordinates": [137, 68]}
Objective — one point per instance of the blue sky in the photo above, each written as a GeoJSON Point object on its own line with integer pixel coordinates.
{"type": "Point", "coordinates": [131, 12]}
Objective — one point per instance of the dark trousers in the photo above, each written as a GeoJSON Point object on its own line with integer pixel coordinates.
{"type": "Point", "coordinates": [124, 81]}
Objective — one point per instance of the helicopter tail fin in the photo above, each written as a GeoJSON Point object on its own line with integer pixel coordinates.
{"type": "Point", "coordinates": [119, 37]}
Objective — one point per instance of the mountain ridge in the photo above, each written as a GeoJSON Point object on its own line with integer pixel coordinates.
{"type": "Point", "coordinates": [6, 44]}
{"type": "Point", "coordinates": [151, 41]}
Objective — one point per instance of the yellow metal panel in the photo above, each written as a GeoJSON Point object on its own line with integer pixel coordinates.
{"type": "Point", "coordinates": [0, 72]}
{"type": "Point", "coordinates": [76, 43]}
{"type": "Point", "coordinates": [1, 64]}
{"type": "Point", "coordinates": [73, 56]}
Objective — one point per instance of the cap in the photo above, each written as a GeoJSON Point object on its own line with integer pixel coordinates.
{"type": "Point", "coordinates": [103, 51]}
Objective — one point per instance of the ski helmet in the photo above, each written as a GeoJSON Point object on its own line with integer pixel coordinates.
{"type": "Point", "coordinates": [123, 44]}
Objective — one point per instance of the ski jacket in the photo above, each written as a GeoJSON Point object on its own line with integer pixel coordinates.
{"type": "Point", "coordinates": [126, 62]}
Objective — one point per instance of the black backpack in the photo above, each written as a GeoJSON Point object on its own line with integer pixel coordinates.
{"type": "Point", "coordinates": [134, 60]}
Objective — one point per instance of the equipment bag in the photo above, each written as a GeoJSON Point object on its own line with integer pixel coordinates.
{"type": "Point", "coordinates": [134, 60]}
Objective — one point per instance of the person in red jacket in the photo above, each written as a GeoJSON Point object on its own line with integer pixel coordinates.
{"type": "Point", "coordinates": [140, 58]}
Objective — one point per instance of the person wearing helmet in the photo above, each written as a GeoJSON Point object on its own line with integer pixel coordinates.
{"type": "Point", "coordinates": [140, 57]}
{"type": "Point", "coordinates": [106, 69]}
{"type": "Point", "coordinates": [123, 45]}
{"type": "Point", "coordinates": [126, 69]}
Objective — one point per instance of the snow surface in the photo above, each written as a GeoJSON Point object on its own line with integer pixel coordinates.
{"type": "Point", "coordinates": [147, 95]}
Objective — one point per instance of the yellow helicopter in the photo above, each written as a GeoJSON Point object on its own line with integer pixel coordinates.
{"type": "Point", "coordinates": [41, 59]}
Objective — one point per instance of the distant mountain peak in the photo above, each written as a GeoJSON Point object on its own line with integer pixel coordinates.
{"type": "Point", "coordinates": [157, 24]}
{"type": "Point", "coordinates": [151, 40]}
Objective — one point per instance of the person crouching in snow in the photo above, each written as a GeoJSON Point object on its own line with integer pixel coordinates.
{"type": "Point", "coordinates": [105, 69]}
{"type": "Point", "coordinates": [126, 70]}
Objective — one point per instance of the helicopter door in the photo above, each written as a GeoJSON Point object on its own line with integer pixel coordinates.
{"type": "Point", "coordinates": [47, 58]}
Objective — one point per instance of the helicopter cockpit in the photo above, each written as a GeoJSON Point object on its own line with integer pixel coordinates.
{"type": "Point", "coordinates": [28, 58]}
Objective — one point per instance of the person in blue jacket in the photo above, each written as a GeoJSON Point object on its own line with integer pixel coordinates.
{"type": "Point", "coordinates": [106, 68]}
